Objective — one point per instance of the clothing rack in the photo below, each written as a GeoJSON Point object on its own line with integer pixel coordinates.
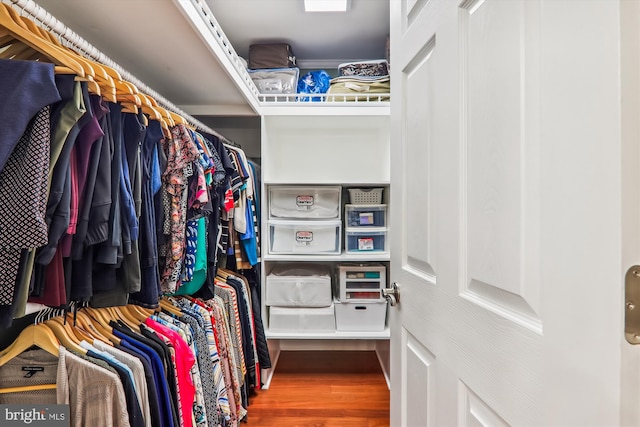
{"type": "Point", "coordinates": [67, 36]}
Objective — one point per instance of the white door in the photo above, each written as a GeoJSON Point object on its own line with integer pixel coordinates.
{"type": "Point", "coordinates": [515, 197]}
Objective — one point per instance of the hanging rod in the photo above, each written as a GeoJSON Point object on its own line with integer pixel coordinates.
{"type": "Point", "coordinates": [53, 25]}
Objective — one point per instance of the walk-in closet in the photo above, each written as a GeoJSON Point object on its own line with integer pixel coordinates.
{"type": "Point", "coordinates": [334, 213]}
{"type": "Point", "coordinates": [184, 244]}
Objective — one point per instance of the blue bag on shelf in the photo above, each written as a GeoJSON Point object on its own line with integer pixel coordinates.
{"type": "Point", "coordinates": [314, 82]}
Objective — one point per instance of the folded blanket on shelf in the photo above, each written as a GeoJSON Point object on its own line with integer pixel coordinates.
{"type": "Point", "coordinates": [362, 88]}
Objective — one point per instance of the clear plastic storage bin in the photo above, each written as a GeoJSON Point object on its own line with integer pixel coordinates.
{"type": "Point", "coordinates": [362, 282]}
{"type": "Point", "coordinates": [365, 240]}
{"type": "Point", "coordinates": [365, 215]}
{"type": "Point", "coordinates": [304, 237]}
{"type": "Point", "coordinates": [304, 202]}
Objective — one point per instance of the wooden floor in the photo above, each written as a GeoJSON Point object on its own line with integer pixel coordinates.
{"type": "Point", "coordinates": [323, 389]}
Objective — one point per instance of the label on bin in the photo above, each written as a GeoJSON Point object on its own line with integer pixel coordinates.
{"type": "Point", "coordinates": [365, 244]}
{"type": "Point", "coordinates": [304, 202]}
{"type": "Point", "coordinates": [304, 238]}
{"type": "Point", "coordinates": [366, 218]}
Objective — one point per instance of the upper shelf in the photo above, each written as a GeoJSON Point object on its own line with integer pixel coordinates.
{"type": "Point", "coordinates": [325, 104]}
{"type": "Point", "coordinates": [202, 19]}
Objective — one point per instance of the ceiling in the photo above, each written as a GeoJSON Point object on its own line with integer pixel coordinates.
{"type": "Point", "coordinates": [319, 40]}
{"type": "Point", "coordinates": [154, 41]}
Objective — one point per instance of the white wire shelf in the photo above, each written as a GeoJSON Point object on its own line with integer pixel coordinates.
{"type": "Point", "coordinates": [330, 99]}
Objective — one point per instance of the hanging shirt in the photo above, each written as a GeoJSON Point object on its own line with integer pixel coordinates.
{"type": "Point", "coordinates": [148, 242]}
{"type": "Point", "coordinates": [23, 207]}
{"type": "Point", "coordinates": [22, 159]}
{"type": "Point", "coordinates": [184, 362]}
{"type": "Point", "coordinates": [203, 316]}
{"type": "Point", "coordinates": [95, 396]}
{"type": "Point", "coordinates": [26, 87]}
{"type": "Point", "coordinates": [138, 376]}
{"type": "Point", "coordinates": [164, 396]}
{"type": "Point", "coordinates": [229, 358]}
{"type": "Point", "coordinates": [181, 153]}
{"type": "Point", "coordinates": [206, 368]}
{"type": "Point", "coordinates": [126, 377]}
{"type": "Point", "coordinates": [149, 380]}
{"type": "Point", "coordinates": [31, 367]}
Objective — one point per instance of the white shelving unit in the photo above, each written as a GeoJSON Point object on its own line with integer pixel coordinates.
{"type": "Point", "coordinates": [333, 142]}
{"type": "Point", "coordinates": [324, 145]}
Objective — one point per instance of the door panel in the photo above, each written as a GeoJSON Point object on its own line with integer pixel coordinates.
{"type": "Point", "coordinates": [419, 185]}
{"type": "Point", "coordinates": [475, 412]}
{"type": "Point", "coordinates": [506, 189]}
{"type": "Point", "coordinates": [419, 377]}
{"type": "Point", "coordinates": [499, 164]}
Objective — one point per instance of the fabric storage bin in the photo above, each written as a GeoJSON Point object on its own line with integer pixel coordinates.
{"type": "Point", "coordinates": [299, 285]}
{"type": "Point", "coordinates": [361, 316]}
{"type": "Point", "coordinates": [361, 282]}
{"type": "Point", "coordinates": [297, 202]}
{"type": "Point", "coordinates": [271, 55]}
{"type": "Point", "coordinates": [304, 237]}
{"type": "Point", "coordinates": [365, 240]}
{"type": "Point", "coordinates": [302, 319]}
{"type": "Point", "coordinates": [365, 215]}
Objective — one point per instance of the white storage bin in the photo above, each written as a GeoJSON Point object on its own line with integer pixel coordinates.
{"type": "Point", "coordinates": [296, 319]}
{"type": "Point", "coordinates": [361, 316]}
{"type": "Point", "coordinates": [366, 240]}
{"type": "Point", "coordinates": [299, 285]}
{"type": "Point", "coordinates": [365, 196]}
{"type": "Point", "coordinates": [304, 237]}
{"type": "Point", "coordinates": [365, 215]}
{"type": "Point", "coordinates": [303, 202]}
{"type": "Point", "coordinates": [362, 282]}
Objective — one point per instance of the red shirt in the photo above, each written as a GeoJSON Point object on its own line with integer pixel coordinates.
{"type": "Point", "coordinates": [184, 361]}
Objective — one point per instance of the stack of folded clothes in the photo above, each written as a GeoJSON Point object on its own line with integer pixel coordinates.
{"type": "Point", "coordinates": [358, 81]}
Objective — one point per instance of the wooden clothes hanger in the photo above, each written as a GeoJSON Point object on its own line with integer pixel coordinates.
{"type": "Point", "coordinates": [169, 307]}
{"type": "Point", "coordinates": [101, 76]}
{"type": "Point", "coordinates": [53, 53]}
{"type": "Point", "coordinates": [77, 330]}
{"type": "Point", "coordinates": [152, 111]}
{"type": "Point", "coordinates": [96, 314]}
{"type": "Point", "coordinates": [39, 335]}
{"type": "Point", "coordinates": [99, 82]}
{"type": "Point", "coordinates": [223, 274]}
{"type": "Point", "coordinates": [27, 34]}
{"type": "Point", "coordinates": [127, 315]}
{"type": "Point", "coordinates": [87, 324]}
{"type": "Point", "coordinates": [101, 323]}
{"type": "Point", "coordinates": [66, 337]}
{"type": "Point", "coordinates": [30, 26]}
{"type": "Point", "coordinates": [178, 119]}
{"type": "Point", "coordinates": [138, 313]}
{"type": "Point", "coordinates": [118, 315]}
{"type": "Point", "coordinates": [27, 388]}
{"type": "Point", "coordinates": [59, 69]}
{"type": "Point", "coordinates": [158, 113]}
